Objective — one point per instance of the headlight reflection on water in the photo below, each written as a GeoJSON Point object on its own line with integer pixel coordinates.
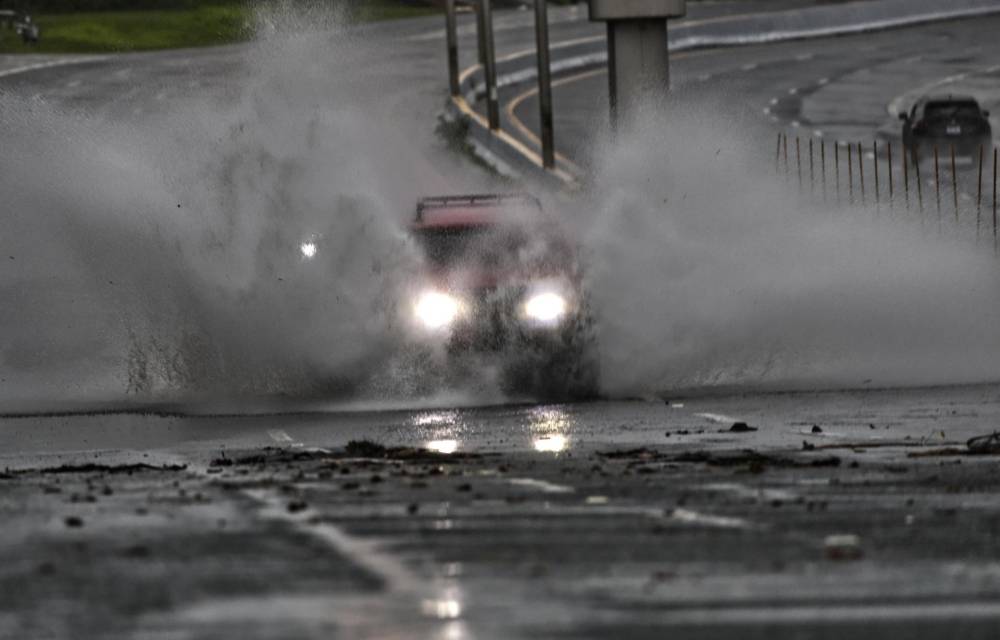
{"type": "Point", "coordinates": [551, 425]}
{"type": "Point", "coordinates": [442, 446]}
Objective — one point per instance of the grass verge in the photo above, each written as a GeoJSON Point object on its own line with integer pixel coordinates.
{"type": "Point", "coordinates": [204, 25]}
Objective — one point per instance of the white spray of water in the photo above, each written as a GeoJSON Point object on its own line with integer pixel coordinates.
{"type": "Point", "coordinates": [707, 271]}
{"type": "Point", "coordinates": [167, 258]}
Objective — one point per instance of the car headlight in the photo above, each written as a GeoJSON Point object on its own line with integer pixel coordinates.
{"type": "Point", "coordinates": [436, 310]}
{"type": "Point", "coordinates": [545, 308]}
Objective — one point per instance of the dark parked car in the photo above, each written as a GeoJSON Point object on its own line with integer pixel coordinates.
{"type": "Point", "coordinates": [946, 121]}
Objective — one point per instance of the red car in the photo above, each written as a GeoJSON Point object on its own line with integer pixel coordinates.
{"type": "Point", "coordinates": [501, 278]}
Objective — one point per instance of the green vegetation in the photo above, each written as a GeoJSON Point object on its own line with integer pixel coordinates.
{"type": "Point", "coordinates": [190, 24]}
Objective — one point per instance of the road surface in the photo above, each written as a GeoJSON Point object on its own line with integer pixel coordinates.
{"type": "Point", "coordinates": [844, 514]}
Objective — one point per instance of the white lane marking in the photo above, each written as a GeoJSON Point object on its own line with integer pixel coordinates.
{"type": "Point", "coordinates": [743, 491]}
{"type": "Point", "coordinates": [688, 516]}
{"type": "Point", "coordinates": [364, 553]}
{"type": "Point", "coordinates": [900, 103]}
{"type": "Point", "coordinates": [717, 417]}
{"type": "Point", "coordinates": [886, 611]}
{"type": "Point", "coordinates": [541, 485]}
{"type": "Point", "coordinates": [802, 57]}
{"type": "Point", "coordinates": [73, 84]}
{"type": "Point", "coordinates": [62, 62]}
{"type": "Point", "coordinates": [793, 91]}
{"type": "Point", "coordinates": [773, 101]}
{"type": "Point", "coordinates": [750, 66]}
{"type": "Point", "coordinates": [767, 111]}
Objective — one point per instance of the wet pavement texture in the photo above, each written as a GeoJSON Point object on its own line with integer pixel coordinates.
{"type": "Point", "coordinates": [853, 514]}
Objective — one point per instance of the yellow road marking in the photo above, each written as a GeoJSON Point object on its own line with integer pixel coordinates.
{"type": "Point", "coordinates": [510, 140]}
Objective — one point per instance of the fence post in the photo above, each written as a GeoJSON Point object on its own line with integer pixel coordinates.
{"type": "Point", "coordinates": [979, 193]}
{"type": "Point", "coordinates": [937, 185]}
{"type": "Point", "coordinates": [994, 199]}
{"type": "Point", "coordinates": [836, 167]}
{"type": "Point", "coordinates": [878, 201]}
{"type": "Point", "coordinates": [861, 173]}
{"type": "Point", "coordinates": [822, 165]}
{"type": "Point", "coordinates": [798, 163]}
{"type": "Point", "coordinates": [784, 146]}
{"type": "Point", "coordinates": [850, 175]}
{"type": "Point", "coordinates": [777, 156]}
{"type": "Point", "coordinates": [920, 188]}
{"type": "Point", "coordinates": [888, 168]}
{"type": "Point", "coordinates": [954, 182]}
{"type": "Point", "coordinates": [812, 170]}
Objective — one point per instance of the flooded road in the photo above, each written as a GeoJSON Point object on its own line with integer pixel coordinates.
{"type": "Point", "coordinates": [849, 514]}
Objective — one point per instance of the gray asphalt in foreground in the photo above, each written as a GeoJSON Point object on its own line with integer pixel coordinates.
{"type": "Point", "coordinates": [845, 514]}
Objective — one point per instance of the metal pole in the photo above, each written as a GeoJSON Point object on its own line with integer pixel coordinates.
{"type": "Point", "coordinates": [994, 199]}
{"type": "Point", "coordinates": [798, 162]}
{"type": "Point", "coordinates": [875, 165]}
{"type": "Point", "coordinates": [812, 169]}
{"type": "Point", "coordinates": [480, 33]}
{"type": "Point", "coordinates": [861, 173]}
{"type": "Point", "coordinates": [451, 29]}
{"type": "Point", "coordinates": [492, 99]}
{"type": "Point", "coordinates": [954, 182]}
{"type": "Point", "coordinates": [836, 168]}
{"type": "Point", "coordinates": [906, 177]}
{"type": "Point", "coordinates": [979, 194]}
{"type": "Point", "coordinates": [822, 165]}
{"type": "Point", "coordinates": [544, 83]}
{"type": "Point", "coordinates": [937, 185]}
{"type": "Point", "coordinates": [850, 175]}
{"type": "Point", "coordinates": [920, 188]}
{"type": "Point", "coordinates": [777, 155]}
{"type": "Point", "coordinates": [784, 144]}
{"type": "Point", "coordinates": [888, 167]}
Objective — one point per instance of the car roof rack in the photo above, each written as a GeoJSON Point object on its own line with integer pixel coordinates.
{"type": "Point", "coordinates": [472, 200]}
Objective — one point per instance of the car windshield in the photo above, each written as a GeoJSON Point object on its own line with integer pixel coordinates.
{"type": "Point", "coordinates": [492, 247]}
{"type": "Point", "coordinates": [951, 110]}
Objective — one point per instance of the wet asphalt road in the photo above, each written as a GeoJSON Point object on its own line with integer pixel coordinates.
{"type": "Point", "coordinates": [851, 514]}
{"type": "Point", "coordinates": [845, 88]}
{"type": "Point", "coordinates": [615, 519]}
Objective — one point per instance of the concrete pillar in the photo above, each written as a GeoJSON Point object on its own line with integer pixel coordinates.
{"type": "Point", "coordinates": [638, 62]}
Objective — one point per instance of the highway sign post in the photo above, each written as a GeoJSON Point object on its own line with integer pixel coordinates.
{"type": "Point", "coordinates": [638, 61]}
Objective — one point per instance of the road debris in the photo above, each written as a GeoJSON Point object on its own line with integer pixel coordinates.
{"type": "Point", "coordinates": [843, 547]}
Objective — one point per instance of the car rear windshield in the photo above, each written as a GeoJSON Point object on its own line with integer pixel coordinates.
{"type": "Point", "coordinates": [952, 111]}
